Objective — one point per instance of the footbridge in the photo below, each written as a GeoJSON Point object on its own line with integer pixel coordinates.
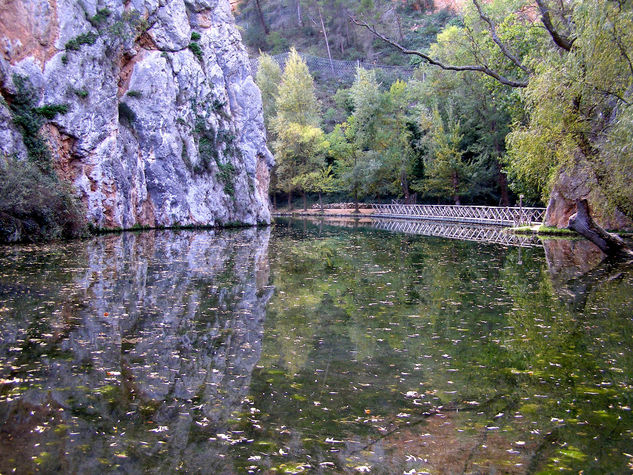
{"type": "Point", "coordinates": [490, 215]}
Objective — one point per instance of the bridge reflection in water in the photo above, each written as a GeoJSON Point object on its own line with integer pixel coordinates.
{"type": "Point", "coordinates": [466, 232]}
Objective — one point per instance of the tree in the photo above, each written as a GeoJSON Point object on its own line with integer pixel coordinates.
{"type": "Point", "coordinates": [268, 79]}
{"type": "Point", "coordinates": [296, 98]}
{"type": "Point", "coordinates": [298, 137]}
{"type": "Point", "coordinates": [319, 181]}
{"type": "Point", "coordinates": [577, 77]}
{"type": "Point", "coordinates": [446, 171]}
{"type": "Point", "coordinates": [297, 155]}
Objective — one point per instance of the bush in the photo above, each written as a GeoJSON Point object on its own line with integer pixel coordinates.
{"type": "Point", "coordinates": [195, 36]}
{"type": "Point", "coordinates": [83, 39]}
{"type": "Point", "coordinates": [35, 206]}
{"type": "Point", "coordinates": [100, 18]}
{"type": "Point", "coordinates": [195, 49]}
{"type": "Point", "coordinates": [134, 93]}
{"type": "Point", "coordinates": [51, 110]}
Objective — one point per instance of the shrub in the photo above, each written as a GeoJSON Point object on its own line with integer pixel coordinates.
{"type": "Point", "coordinates": [100, 18]}
{"type": "Point", "coordinates": [195, 36]}
{"type": "Point", "coordinates": [36, 206]}
{"type": "Point", "coordinates": [134, 93]}
{"type": "Point", "coordinates": [84, 39]}
{"type": "Point", "coordinates": [195, 49]}
{"type": "Point", "coordinates": [51, 110]}
{"type": "Point", "coordinates": [83, 93]}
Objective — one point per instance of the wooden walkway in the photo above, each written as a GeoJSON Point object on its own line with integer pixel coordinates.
{"type": "Point", "coordinates": [491, 215]}
{"type": "Point", "coordinates": [463, 232]}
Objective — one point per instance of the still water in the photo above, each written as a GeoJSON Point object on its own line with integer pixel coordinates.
{"type": "Point", "coordinates": [313, 348]}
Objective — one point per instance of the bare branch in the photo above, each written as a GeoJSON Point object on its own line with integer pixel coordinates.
{"type": "Point", "coordinates": [448, 67]}
{"type": "Point", "coordinates": [560, 40]}
{"type": "Point", "coordinates": [493, 33]}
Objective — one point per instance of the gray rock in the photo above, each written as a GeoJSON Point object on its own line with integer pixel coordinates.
{"type": "Point", "coordinates": [158, 132]}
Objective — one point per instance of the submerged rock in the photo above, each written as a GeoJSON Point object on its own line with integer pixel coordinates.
{"type": "Point", "coordinates": [163, 124]}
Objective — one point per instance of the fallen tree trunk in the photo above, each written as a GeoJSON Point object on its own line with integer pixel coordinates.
{"type": "Point", "coordinates": [583, 224]}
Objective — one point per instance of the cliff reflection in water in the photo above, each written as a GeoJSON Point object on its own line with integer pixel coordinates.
{"type": "Point", "coordinates": [150, 352]}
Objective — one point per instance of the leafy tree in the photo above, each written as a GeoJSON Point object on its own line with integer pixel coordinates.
{"type": "Point", "coordinates": [298, 154]}
{"type": "Point", "coordinates": [319, 181]}
{"type": "Point", "coordinates": [296, 99]}
{"type": "Point", "coordinates": [268, 79]}
{"type": "Point", "coordinates": [298, 139]}
{"type": "Point", "coordinates": [447, 172]}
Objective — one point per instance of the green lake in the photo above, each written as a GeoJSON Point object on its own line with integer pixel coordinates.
{"type": "Point", "coordinates": [309, 347]}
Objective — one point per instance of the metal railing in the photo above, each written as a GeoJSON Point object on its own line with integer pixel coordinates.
{"type": "Point", "coordinates": [492, 215]}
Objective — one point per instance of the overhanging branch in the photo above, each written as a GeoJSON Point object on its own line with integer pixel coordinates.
{"type": "Point", "coordinates": [448, 67]}
{"type": "Point", "coordinates": [560, 40]}
{"type": "Point", "coordinates": [493, 33]}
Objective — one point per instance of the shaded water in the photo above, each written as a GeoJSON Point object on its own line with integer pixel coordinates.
{"type": "Point", "coordinates": [313, 348]}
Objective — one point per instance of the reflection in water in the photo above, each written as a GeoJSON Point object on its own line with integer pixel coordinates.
{"type": "Point", "coordinates": [129, 352]}
{"type": "Point", "coordinates": [377, 351]}
{"type": "Point", "coordinates": [464, 232]}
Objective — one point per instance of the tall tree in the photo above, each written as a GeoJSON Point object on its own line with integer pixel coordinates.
{"type": "Point", "coordinates": [298, 138]}
{"type": "Point", "coordinates": [268, 79]}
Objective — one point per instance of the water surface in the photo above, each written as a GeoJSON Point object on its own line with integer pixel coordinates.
{"type": "Point", "coordinates": [313, 348]}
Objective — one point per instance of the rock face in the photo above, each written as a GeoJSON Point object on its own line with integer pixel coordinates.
{"type": "Point", "coordinates": [163, 124]}
{"type": "Point", "coordinates": [576, 184]}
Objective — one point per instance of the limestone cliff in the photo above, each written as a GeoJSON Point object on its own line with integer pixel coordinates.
{"type": "Point", "coordinates": [159, 119]}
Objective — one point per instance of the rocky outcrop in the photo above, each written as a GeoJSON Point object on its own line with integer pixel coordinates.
{"type": "Point", "coordinates": [579, 183]}
{"type": "Point", "coordinates": [162, 124]}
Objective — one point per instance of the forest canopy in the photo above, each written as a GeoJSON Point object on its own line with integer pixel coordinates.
{"type": "Point", "coordinates": [510, 97]}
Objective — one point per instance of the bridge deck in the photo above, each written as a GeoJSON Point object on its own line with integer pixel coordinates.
{"type": "Point", "coordinates": [492, 215]}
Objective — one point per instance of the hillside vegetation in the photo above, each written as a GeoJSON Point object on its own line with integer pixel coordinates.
{"type": "Point", "coordinates": [509, 97]}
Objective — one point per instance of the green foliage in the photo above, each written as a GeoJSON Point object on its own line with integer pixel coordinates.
{"type": "Point", "coordinates": [268, 79]}
{"type": "Point", "coordinates": [84, 39]}
{"type": "Point", "coordinates": [100, 17]}
{"type": "Point", "coordinates": [195, 36]}
{"type": "Point", "coordinates": [29, 121]}
{"type": "Point", "coordinates": [64, 59]}
{"type": "Point", "coordinates": [134, 93]}
{"type": "Point", "coordinates": [130, 26]}
{"type": "Point", "coordinates": [51, 110]}
{"type": "Point", "coordinates": [35, 205]}
{"type": "Point", "coordinates": [296, 99]}
{"type": "Point", "coordinates": [227, 176]}
{"type": "Point", "coordinates": [196, 50]}
{"type": "Point", "coordinates": [578, 105]}
{"type": "Point", "coordinates": [83, 93]}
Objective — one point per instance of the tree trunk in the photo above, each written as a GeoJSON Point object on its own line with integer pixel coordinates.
{"type": "Point", "coordinates": [502, 181]}
{"type": "Point", "coordinates": [299, 19]}
{"type": "Point", "coordinates": [583, 224]}
{"type": "Point", "coordinates": [261, 17]}
{"type": "Point", "coordinates": [290, 201]}
{"type": "Point", "coordinates": [404, 183]}
{"type": "Point", "coordinates": [327, 43]}
{"type": "Point", "coordinates": [356, 210]}
{"type": "Point", "coordinates": [321, 202]}
{"type": "Point", "coordinates": [455, 189]}
{"type": "Point", "coordinates": [305, 202]}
